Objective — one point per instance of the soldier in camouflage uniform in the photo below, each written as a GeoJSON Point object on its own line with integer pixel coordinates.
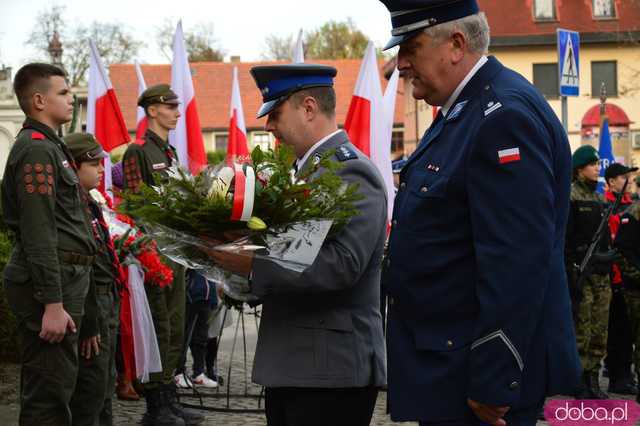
{"type": "Point", "coordinates": [47, 278]}
{"type": "Point", "coordinates": [91, 402]}
{"type": "Point", "coordinates": [143, 159]}
{"type": "Point", "coordinates": [628, 243]}
{"type": "Point", "coordinates": [592, 298]}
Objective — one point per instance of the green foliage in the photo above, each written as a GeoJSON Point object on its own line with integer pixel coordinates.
{"type": "Point", "coordinates": [336, 40]}
{"type": "Point", "coordinates": [216, 157]}
{"type": "Point", "coordinates": [7, 321]}
{"type": "Point", "coordinates": [194, 205]}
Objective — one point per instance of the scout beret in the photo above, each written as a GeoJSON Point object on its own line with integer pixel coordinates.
{"type": "Point", "coordinates": [408, 17]}
{"type": "Point", "coordinates": [584, 155]}
{"type": "Point", "coordinates": [158, 94]}
{"type": "Point", "coordinates": [278, 82]}
{"type": "Point", "coordinates": [84, 147]}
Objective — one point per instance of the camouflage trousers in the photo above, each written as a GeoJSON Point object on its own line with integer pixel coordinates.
{"type": "Point", "coordinates": [49, 371]}
{"type": "Point", "coordinates": [167, 306]}
{"type": "Point", "coordinates": [592, 321]}
{"type": "Point", "coordinates": [91, 402]}
{"type": "Point", "coordinates": [632, 299]}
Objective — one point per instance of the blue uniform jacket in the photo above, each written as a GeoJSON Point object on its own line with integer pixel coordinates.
{"type": "Point", "coordinates": [479, 304]}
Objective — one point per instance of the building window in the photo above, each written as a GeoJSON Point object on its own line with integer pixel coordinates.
{"type": "Point", "coordinates": [544, 10]}
{"type": "Point", "coordinates": [604, 9]}
{"type": "Point", "coordinates": [261, 139]}
{"type": "Point", "coordinates": [604, 72]}
{"type": "Point", "coordinates": [220, 142]}
{"type": "Point", "coordinates": [397, 141]}
{"type": "Point", "coordinates": [545, 78]}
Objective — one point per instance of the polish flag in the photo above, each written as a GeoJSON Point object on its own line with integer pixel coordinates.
{"type": "Point", "coordinates": [237, 149]}
{"type": "Point", "coordinates": [104, 117]}
{"type": "Point", "coordinates": [141, 118]}
{"type": "Point", "coordinates": [508, 155]}
{"type": "Point", "coordinates": [298, 51]}
{"type": "Point", "coordinates": [369, 121]}
{"type": "Point", "coordinates": [187, 136]}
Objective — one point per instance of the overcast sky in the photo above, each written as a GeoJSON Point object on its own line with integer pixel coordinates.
{"type": "Point", "coordinates": [239, 25]}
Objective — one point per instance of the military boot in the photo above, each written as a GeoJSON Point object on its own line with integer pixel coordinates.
{"type": "Point", "coordinates": [158, 411]}
{"type": "Point", "coordinates": [584, 389]}
{"type": "Point", "coordinates": [190, 417]}
{"type": "Point", "coordinates": [596, 392]}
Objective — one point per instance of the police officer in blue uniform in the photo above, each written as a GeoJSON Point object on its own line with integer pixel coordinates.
{"type": "Point", "coordinates": [479, 325]}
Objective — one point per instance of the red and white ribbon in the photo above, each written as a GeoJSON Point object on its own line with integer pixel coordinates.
{"type": "Point", "coordinates": [244, 193]}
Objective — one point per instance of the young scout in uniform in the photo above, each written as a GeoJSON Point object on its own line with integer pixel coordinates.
{"type": "Point", "coordinates": [479, 325]}
{"type": "Point", "coordinates": [591, 301]}
{"type": "Point", "coordinates": [320, 350]}
{"type": "Point", "coordinates": [628, 243]}
{"type": "Point", "coordinates": [142, 159]}
{"type": "Point", "coordinates": [47, 278]}
{"type": "Point", "coordinates": [91, 403]}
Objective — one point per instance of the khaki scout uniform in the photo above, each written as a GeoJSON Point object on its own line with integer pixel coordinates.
{"type": "Point", "coordinates": [91, 401]}
{"type": "Point", "coordinates": [50, 263]}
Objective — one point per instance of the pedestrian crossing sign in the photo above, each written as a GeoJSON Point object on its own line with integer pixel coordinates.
{"type": "Point", "coordinates": [569, 62]}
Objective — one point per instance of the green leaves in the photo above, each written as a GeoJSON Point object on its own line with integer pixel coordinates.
{"type": "Point", "coordinates": [182, 203]}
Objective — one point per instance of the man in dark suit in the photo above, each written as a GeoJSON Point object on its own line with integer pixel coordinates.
{"type": "Point", "coordinates": [479, 326]}
{"type": "Point", "coordinates": [320, 350]}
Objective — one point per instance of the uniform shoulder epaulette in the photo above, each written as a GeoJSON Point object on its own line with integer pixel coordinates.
{"type": "Point", "coordinates": [139, 142]}
{"type": "Point", "coordinates": [490, 101]}
{"type": "Point", "coordinates": [345, 153]}
{"type": "Point", "coordinates": [37, 136]}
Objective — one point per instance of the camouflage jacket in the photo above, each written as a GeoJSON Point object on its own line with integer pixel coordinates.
{"type": "Point", "coordinates": [628, 244]}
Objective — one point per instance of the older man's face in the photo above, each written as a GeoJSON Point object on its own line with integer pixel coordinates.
{"type": "Point", "coordinates": [428, 65]}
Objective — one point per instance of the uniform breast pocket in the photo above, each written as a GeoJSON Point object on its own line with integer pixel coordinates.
{"type": "Point", "coordinates": [425, 205]}
{"type": "Point", "coordinates": [68, 184]}
{"type": "Point", "coordinates": [429, 185]}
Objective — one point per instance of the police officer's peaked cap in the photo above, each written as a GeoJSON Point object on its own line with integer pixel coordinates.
{"type": "Point", "coordinates": [158, 94]}
{"type": "Point", "coordinates": [617, 169]}
{"type": "Point", "coordinates": [84, 147]}
{"type": "Point", "coordinates": [278, 82]}
{"type": "Point", "coordinates": [408, 17]}
{"type": "Point", "coordinates": [584, 155]}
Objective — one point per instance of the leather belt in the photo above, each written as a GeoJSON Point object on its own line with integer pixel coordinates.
{"type": "Point", "coordinates": [75, 258]}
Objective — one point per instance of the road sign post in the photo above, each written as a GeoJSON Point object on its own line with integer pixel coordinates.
{"type": "Point", "coordinates": [568, 69]}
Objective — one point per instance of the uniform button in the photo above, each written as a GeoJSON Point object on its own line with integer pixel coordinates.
{"type": "Point", "coordinates": [424, 189]}
{"type": "Point", "coordinates": [449, 344]}
{"type": "Point", "coordinates": [403, 185]}
{"type": "Point", "coordinates": [394, 223]}
{"type": "Point", "coordinates": [514, 385]}
{"type": "Point", "coordinates": [391, 301]}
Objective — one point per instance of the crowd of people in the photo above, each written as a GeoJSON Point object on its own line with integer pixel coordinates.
{"type": "Point", "coordinates": [506, 276]}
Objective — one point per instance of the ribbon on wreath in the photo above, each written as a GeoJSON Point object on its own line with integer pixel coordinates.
{"type": "Point", "coordinates": [244, 193]}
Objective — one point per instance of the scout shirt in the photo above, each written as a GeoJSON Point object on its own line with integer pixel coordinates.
{"type": "Point", "coordinates": [145, 157]}
{"type": "Point", "coordinates": [42, 204]}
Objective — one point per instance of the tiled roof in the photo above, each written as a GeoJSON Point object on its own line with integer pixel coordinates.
{"type": "Point", "coordinates": [212, 83]}
{"type": "Point", "coordinates": [509, 18]}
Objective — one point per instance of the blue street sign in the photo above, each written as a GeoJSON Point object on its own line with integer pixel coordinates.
{"type": "Point", "coordinates": [569, 62]}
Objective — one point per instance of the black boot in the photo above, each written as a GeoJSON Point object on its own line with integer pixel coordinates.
{"type": "Point", "coordinates": [584, 389]}
{"type": "Point", "coordinates": [158, 412]}
{"type": "Point", "coordinates": [190, 417]}
{"type": "Point", "coordinates": [624, 386]}
{"type": "Point", "coordinates": [596, 392]}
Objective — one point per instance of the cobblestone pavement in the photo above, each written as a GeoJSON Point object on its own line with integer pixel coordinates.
{"type": "Point", "coordinates": [130, 413]}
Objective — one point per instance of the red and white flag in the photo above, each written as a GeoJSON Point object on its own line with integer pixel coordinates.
{"type": "Point", "coordinates": [508, 155]}
{"type": "Point", "coordinates": [187, 136]}
{"type": "Point", "coordinates": [369, 122]}
{"type": "Point", "coordinates": [141, 118]}
{"type": "Point", "coordinates": [104, 117]}
{"type": "Point", "coordinates": [237, 149]}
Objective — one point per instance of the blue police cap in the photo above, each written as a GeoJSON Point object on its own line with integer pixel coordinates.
{"type": "Point", "coordinates": [278, 82]}
{"type": "Point", "coordinates": [408, 17]}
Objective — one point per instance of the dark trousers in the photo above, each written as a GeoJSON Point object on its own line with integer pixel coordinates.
{"type": "Point", "coordinates": [320, 407]}
{"type": "Point", "coordinates": [195, 333]}
{"type": "Point", "coordinates": [619, 341]}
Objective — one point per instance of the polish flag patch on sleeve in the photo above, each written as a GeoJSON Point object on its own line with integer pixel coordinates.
{"type": "Point", "coordinates": [509, 155]}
